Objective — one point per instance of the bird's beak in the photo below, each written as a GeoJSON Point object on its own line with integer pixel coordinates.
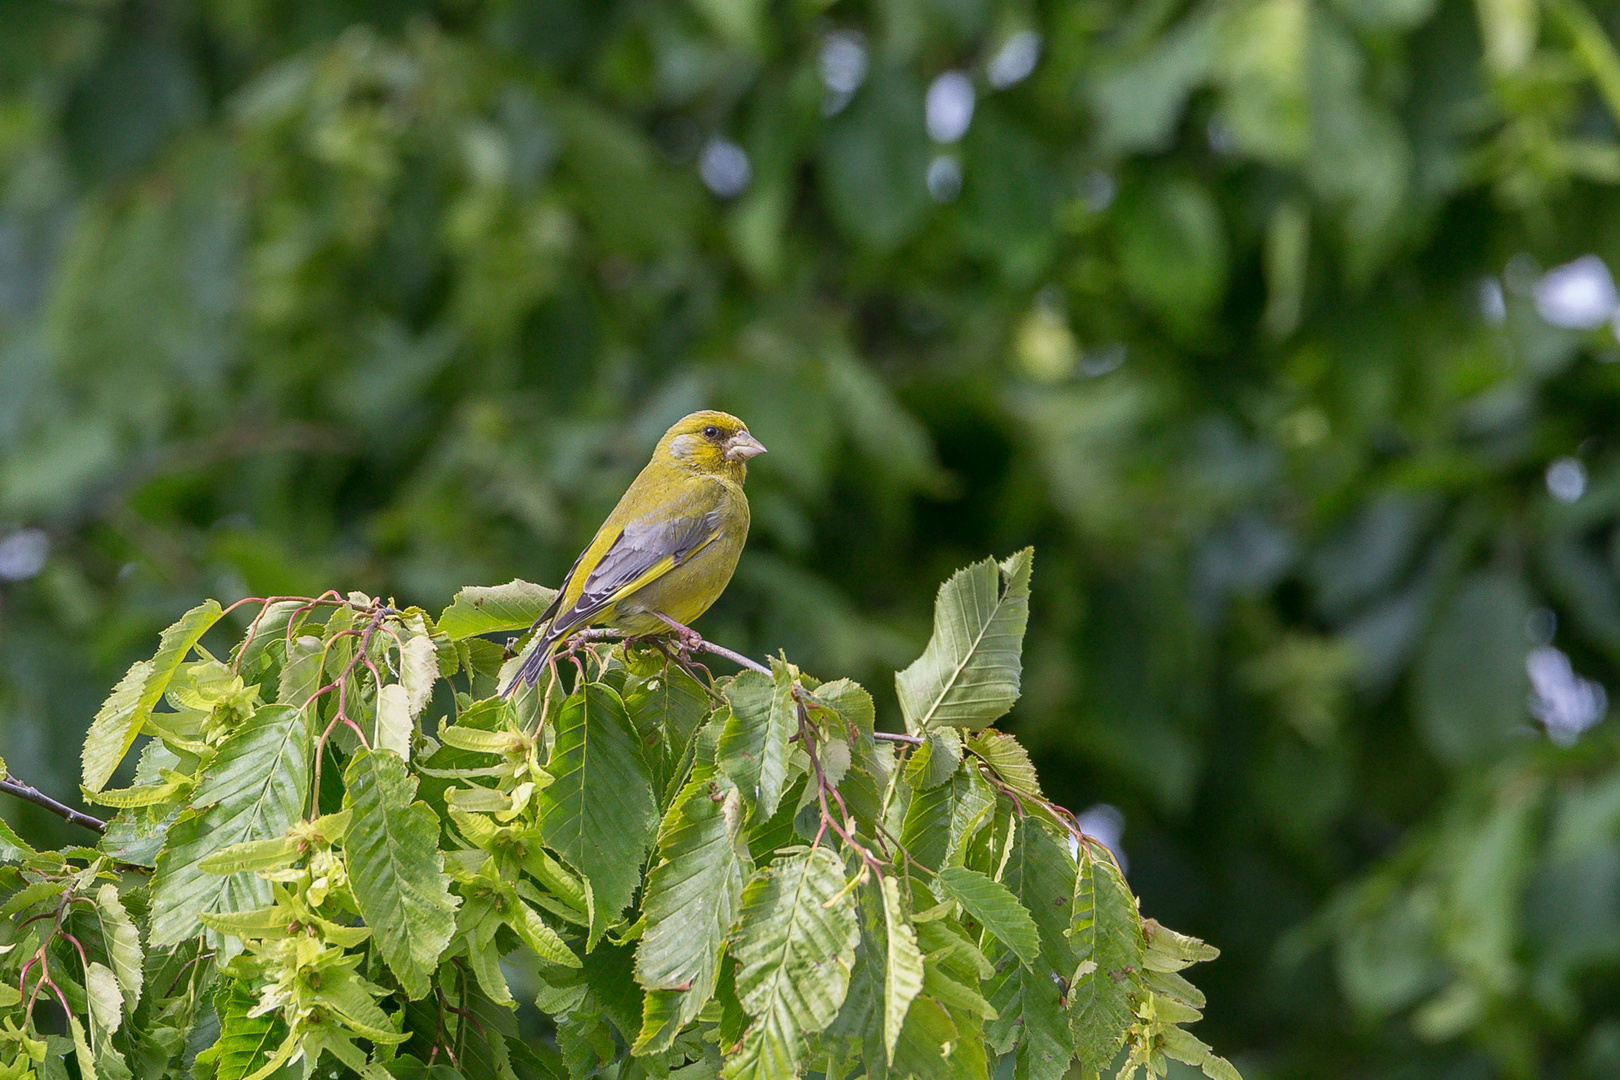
{"type": "Point", "coordinates": [742, 446]}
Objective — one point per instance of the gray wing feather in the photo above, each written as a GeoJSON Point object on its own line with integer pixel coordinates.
{"type": "Point", "coordinates": [636, 550]}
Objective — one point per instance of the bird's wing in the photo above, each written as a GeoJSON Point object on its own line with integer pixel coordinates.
{"type": "Point", "coordinates": [644, 552]}
{"type": "Point", "coordinates": [550, 614]}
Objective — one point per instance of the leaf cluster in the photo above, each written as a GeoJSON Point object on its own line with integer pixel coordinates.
{"type": "Point", "coordinates": [689, 875]}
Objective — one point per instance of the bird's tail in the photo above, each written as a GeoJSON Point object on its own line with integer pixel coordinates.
{"type": "Point", "coordinates": [533, 664]}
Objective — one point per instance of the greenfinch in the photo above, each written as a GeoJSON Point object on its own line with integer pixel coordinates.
{"type": "Point", "coordinates": [668, 549]}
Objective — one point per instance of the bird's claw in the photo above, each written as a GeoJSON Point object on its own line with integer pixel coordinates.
{"type": "Point", "coordinates": [687, 641]}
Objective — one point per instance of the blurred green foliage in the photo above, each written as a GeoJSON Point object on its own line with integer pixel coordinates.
{"type": "Point", "coordinates": [1237, 309]}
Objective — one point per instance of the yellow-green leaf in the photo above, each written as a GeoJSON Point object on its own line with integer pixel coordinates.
{"type": "Point", "coordinates": [118, 723]}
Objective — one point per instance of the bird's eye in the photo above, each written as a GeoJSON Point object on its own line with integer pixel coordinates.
{"type": "Point", "coordinates": [711, 432]}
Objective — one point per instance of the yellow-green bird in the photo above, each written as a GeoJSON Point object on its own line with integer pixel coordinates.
{"type": "Point", "coordinates": [668, 549]}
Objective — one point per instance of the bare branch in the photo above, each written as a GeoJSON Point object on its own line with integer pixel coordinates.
{"type": "Point", "coordinates": [704, 645]}
{"type": "Point", "coordinates": [32, 794]}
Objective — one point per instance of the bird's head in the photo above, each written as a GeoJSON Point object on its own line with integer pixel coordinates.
{"type": "Point", "coordinates": [709, 442]}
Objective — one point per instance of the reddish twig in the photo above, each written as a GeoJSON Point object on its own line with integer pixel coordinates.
{"type": "Point", "coordinates": [808, 738]}
{"type": "Point", "coordinates": [268, 601]}
{"type": "Point", "coordinates": [199, 958]}
{"type": "Point", "coordinates": [379, 612]}
{"type": "Point", "coordinates": [83, 959]}
{"type": "Point", "coordinates": [292, 620]}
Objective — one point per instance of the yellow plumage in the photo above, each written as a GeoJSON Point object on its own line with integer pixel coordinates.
{"type": "Point", "coordinates": [668, 549]}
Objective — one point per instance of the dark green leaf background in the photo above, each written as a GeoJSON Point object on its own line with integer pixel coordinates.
{"type": "Point", "coordinates": [1235, 309]}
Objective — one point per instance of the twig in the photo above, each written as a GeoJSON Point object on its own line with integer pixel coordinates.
{"type": "Point", "coordinates": [881, 828]}
{"type": "Point", "coordinates": [890, 736]}
{"type": "Point", "coordinates": [187, 966]}
{"type": "Point", "coordinates": [380, 612]}
{"type": "Point", "coordinates": [691, 667]}
{"type": "Point", "coordinates": [705, 645]}
{"type": "Point", "coordinates": [83, 959]}
{"type": "Point", "coordinates": [808, 738]}
{"type": "Point", "coordinates": [32, 794]}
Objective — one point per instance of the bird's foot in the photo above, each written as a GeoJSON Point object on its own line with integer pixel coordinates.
{"type": "Point", "coordinates": [687, 640]}
{"type": "Point", "coordinates": [678, 648]}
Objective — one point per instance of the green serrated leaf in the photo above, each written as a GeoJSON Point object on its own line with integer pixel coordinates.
{"type": "Point", "coordinates": [691, 902]}
{"type": "Point", "coordinates": [903, 972]}
{"type": "Point", "coordinates": [396, 870]}
{"type": "Point", "coordinates": [940, 821]}
{"type": "Point", "coordinates": [850, 701]}
{"type": "Point", "coordinates": [599, 812]}
{"type": "Point", "coordinates": [1170, 951]}
{"type": "Point", "coordinates": [935, 760]}
{"type": "Point", "coordinates": [753, 748]}
{"type": "Point", "coordinates": [269, 626]}
{"type": "Point", "coordinates": [1009, 759]}
{"type": "Point", "coordinates": [536, 1062]}
{"type": "Point", "coordinates": [301, 674]}
{"type": "Point", "coordinates": [122, 942]}
{"type": "Point", "coordinates": [1187, 1048]}
{"type": "Point", "coordinates": [105, 1000]}
{"type": "Point", "coordinates": [252, 856]}
{"type": "Point", "coordinates": [1040, 874]}
{"type": "Point", "coordinates": [925, 1043]}
{"type": "Point", "coordinates": [490, 609]}
{"type": "Point", "coordinates": [969, 674]}
{"type": "Point", "coordinates": [609, 971]}
{"type": "Point", "coordinates": [245, 1043]}
{"type": "Point", "coordinates": [1107, 941]}
{"type": "Point", "coordinates": [29, 895]}
{"type": "Point", "coordinates": [794, 947]}
{"type": "Point", "coordinates": [254, 789]}
{"type": "Point", "coordinates": [418, 671]}
{"type": "Point", "coordinates": [13, 848]}
{"type": "Point", "coordinates": [118, 723]}
{"type": "Point", "coordinates": [666, 709]}
{"type": "Point", "coordinates": [394, 727]}
{"type": "Point", "coordinates": [996, 909]}
{"type": "Point", "coordinates": [81, 1048]}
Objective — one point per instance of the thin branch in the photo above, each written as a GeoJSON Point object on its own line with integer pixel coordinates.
{"type": "Point", "coordinates": [696, 642]}
{"type": "Point", "coordinates": [29, 793]}
{"type": "Point", "coordinates": [702, 644]}
{"type": "Point", "coordinates": [808, 740]}
{"type": "Point", "coordinates": [705, 645]}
